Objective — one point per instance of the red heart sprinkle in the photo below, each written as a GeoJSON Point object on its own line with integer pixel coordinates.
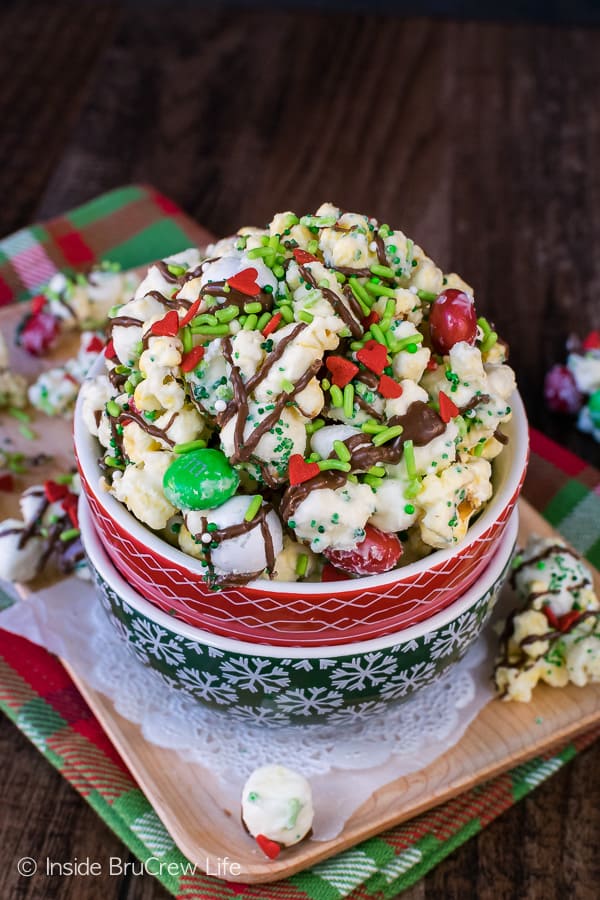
{"type": "Point", "coordinates": [270, 848]}
{"type": "Point", "coordinates": [299, 470]}
{"type": "Point", "coordinates": [109, 350]}
{"type": "Point", "coordinates": [448, 409]}
{"type": "Point", "coordinates": [374, 356]}
{"type": "Point", "coordinates": [69, 505]}
{"type": "Point", "coordinates": [191, 359]}
{"type": "Point", "coordinates": [552, 619]}
{"type": "Point", "coordinates": [272, 324]}
{"type": "Point", "coordinates": [569, 619]}
{"type": "Point", "coordinates": [191, 313]}
{"type": "Point", "coordinates": [372, 319]}
{"type": "Point", "coordinates": [303, 256]}
{"type": "Point", "coordinates": [245, 282]}
{"type": "Point", "coordinates": [592, 341]}
{"type": "Point", "coordinates": [7, 482]}
{"type": "Point", "coordinates": [95, 345]}
{"type": "Point", "coordinates": [168, 326]}
{"type": "Point", "coordinates": [342, 370]}
{"type": "Point", "coordinates": [54, 491]}
{"type": "Point", "coordinates": [389, 388]}
{"type": "Point", "coordinates": [38, 303]}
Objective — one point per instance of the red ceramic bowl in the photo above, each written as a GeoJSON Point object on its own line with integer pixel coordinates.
{"type": "Point", "coordinates": [287, 613]}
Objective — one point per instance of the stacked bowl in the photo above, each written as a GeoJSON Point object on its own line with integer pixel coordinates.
{"type": "Point", "coordinates": [282, 652]}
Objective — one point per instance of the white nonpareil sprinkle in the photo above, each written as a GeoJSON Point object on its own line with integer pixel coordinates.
{"type": "Point", "coordinates": [220, 405]}
{"type": "Point", "coordinates": [206, 538]}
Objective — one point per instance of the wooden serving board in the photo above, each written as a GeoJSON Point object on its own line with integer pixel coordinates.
{"type": "Point", "coordinates": [188, 802]}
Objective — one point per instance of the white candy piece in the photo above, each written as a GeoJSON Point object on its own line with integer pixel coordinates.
{"type": "Point", "coordinates": [277, 803]}
{"type": "Point", "coordinates": [245, 553]}
{"type": "Point", "coordinates": [18, 563]}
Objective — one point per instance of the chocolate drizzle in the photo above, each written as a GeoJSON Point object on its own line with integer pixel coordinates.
{"type": "Point", "coordinates": [420, 423]}
{"type": "Point", "coordinates": [381, 255]}
{"type": "Point", "coordinates": [297, 493]}
{"type": "Point", "coordinates": [539, 557]}
{"type": "Point", "coordinates": [350, 312]}
{"type": "Point", "coordinates": [173, 303]}
{"type": "Point", "coordinates": [474, 402]}
{"type": "Point", "coordinates": [238, 406]}
{"type": "Point", "coordinates": [232, 531]}
{"type": "Point", "coordinates": [123, 322]}
{"type": "Point", "coordinates": [233, 297]}
{"type": "Point", "coordinates": [153, 430]}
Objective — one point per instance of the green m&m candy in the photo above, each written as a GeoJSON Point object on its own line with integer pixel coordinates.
{"type": "Point", "coordinates": [201, 479]}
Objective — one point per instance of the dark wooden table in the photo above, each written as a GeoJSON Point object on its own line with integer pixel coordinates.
{"type": "Point", "coordinates": [482, 141]}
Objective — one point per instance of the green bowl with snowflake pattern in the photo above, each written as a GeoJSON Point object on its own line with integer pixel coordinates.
{"type": "Point", "coordinates": [295, 685]}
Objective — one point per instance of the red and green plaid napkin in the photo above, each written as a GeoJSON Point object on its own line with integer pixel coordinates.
{"type": "Point", "coordinates": [135, 225]}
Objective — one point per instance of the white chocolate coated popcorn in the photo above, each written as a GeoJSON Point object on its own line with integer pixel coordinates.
{"type": "Point", "coordinates": [277, 803]}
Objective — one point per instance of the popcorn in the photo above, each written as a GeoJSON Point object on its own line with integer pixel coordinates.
{"type": "Point", "coordinates": [555, 636]}
{"type": "Point", "coordinates": [54, 392]}
{"type": "Point", "coordinates": [301, 356]}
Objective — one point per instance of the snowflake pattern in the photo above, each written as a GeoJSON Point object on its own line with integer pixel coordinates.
{"type": "Point", "coordinates": [454, 636]}
{"type": "Point", "coordinates": [407, 681]}
{"type": "Point", "coordinates": [252, 674]}
{"type": "Point", "coordinates": [310, 701]}
{"type": "Point", "coordinates": [206, 686]}
{"type": "Point", "coordinates": [359, 713]}
{"type": "Point", "coordinates": [359, 672]}
{"type": "Point", "coordinates": [258, 716]}
{"type": "Point", "coordinates": [157, 642]}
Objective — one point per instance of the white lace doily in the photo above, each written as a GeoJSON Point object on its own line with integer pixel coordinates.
{"type": "Point", "coordinates": [68, 620]}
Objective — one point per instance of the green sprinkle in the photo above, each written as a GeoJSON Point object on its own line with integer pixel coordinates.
{"type": "Point", "coordinates": [312, 246]}
{"type": "Point", "coordinates": [349, 401]}
{"type": "Point", "coordinates": [176, 270]}
{"type": "Point", "coordinates": [255, 505]}
{"type": "Point", "coordinates": [479, 449]}
{"type": "Point", "coordinates": [413, 489]}
{"type": "Point", "coordinates": [251, 322]}
{"type": "Point", "coordinates": [189, 446]}
{"type": "Point", "coordinates": [263, 321]}
{"type": "Point", "coordinates": [287, 314]}
{"type": "Point", "coordinates": [301, 565]}
{"type": "Point", "coordinates": [388, 434]}
{"type": "Point", "coordinates": [19, 414]}
{"type": "Point", "coordinates": [186, 340]}
{"type": "Point", "coordinates": [384, 231]}
{"type": "Point", "coordinates": [382, 271]}
{"type": "Point", "coordinates": [113, 463]}
{"type": "Point", "coordinates": [69, 534]}
{"type": "Point", "coordinates": [325, 384]}
{"type": "Point", "coordinates": [204, 319]}
{"type": "Point", "coordinates": [426, 296]}
{"type": "Point", "coordinates": [342, 451]}
{"type": "Point", "coordinates": [337, 398]}
{"type": "Point", "coordinates": [409, 509]}
{"type": "Point", "coordinates": [340, 278]}
{"type": "Point", "coordinates": [318, 221]}
{"type": "Point", "coordinates": [409, 457]}
{"type": "Point", "coordinates": [489, 342]}
{"type": "Point", "coordinates": [373, 481]}
{"type": "Point", "coordinates": [64, 479]}
{"type": "Point", "coordinates": [314, 457]}
{"type": "Point", "coordinates": [260, 253]}
{"type": "Point", "coordinates": [227, 314]}
{"type": "Point", "coordinates": [372, 427]}
{"type": "Point", "coordinates": [287, 386]}
{"type": "Point", "coordinates": [253, 307]}
{"type": "Point", "coordinates": [27, 432]}
{"type": "Point", "coordinates": [377, 471]}
{"type": "Point", "coordinates": [113, 409]}
{"type": "Point", "coordinates": [380, 290]}
{"type": "Point", "coordinates": [315, 425]}
{"type": "Point", "coordinates": [360, 295]}
{"type": "Point", "coordinates": [326, 464]}
{"type": "Point", "coordinates": [378, 333]}
{"type": "Point", "coordinates": [305, 316]}
{"type": "Point", "coordinates": [405, 343]}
